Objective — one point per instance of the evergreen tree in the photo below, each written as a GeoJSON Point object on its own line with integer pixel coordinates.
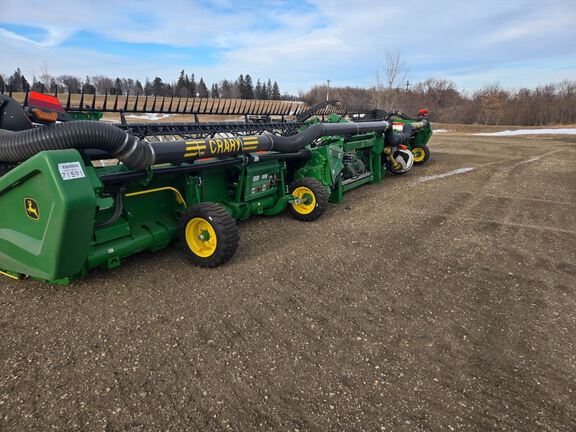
{"type": "Point", "coordinates": [202, 89]}
{"type": "Point", "coordinates": [157, 86]}
{"type": "Point", "coordinates": [269, 89]}
{"type": "Point", "coordinates": [167, 90]}
{"type": "Point", "coordinates": [192, 86]}
{"type": "Point", "coordinates": [226, 89]}
{"type": "Point", "coordinates": [2, 83]}
{"type": "Point", "coordinates": [214, 92]}
{"type": "Point", "coordinates": [87, 87]}
{"type": "Point", "coordinates": [275, 91]}
{"type": "Point", "coordinates": [258, 90]}
{"type": "Point", "coordinates": [18, 81]}
{"type": "Point", "coordinates": [117, 87]}
{"type": "Point", "coordinates": [36, 85]}
{"type": "Point", "coordinates": [182, 85]}
{"type": "Point", "coordinates": [147, 88]}
{"type": "Point", "coordinates": [240, 86]}
{"type": "Point", "coordinates": [138, 87]}
{"type": "Point", "coordinates": [248, 88]}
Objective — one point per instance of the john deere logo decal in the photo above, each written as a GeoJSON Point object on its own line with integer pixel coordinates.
{"type": "Point", "coordinates": [32, 209]}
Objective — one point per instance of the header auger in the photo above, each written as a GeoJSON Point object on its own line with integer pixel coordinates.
{"type": "Point", "coordinates": [64, 213]}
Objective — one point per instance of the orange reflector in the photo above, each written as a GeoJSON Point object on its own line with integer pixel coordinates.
{"type": "Point", "coordinates": [45, 116]}
{"type": "Point", "coordinates": [403, 147]}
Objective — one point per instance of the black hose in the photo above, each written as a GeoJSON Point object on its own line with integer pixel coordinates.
{"type": "Point", "coordinates": [395, 139]}
{"type": "Point", "coordinates": [138, 155]}
{"type": "Point", "coordinates": [117, 211]}
{"type": "Point", "coordinates": [80, 135]}
{"type": "Point", "coordinates": [189, 150]}
{"type": "Point", "coordinates": [296, 142]}
{"type": "Point", "coordinates": [403, 115]}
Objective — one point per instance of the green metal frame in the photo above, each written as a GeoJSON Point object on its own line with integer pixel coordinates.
{"type": "Point", "coordinates": [70, 235]}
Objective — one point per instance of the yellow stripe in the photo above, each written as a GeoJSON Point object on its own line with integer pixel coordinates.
{"type": "Point", "coordinates": [9, 275]}
{"type": "Point", "coordinates": [250, 145]}
{"type": "Point", "coordinates": [195, 148]}
{"type": "Point", "coordinates": [179, 197]}
{"type": "Point", "coordinates": [196, 142]}
{"type": "Point", "coordinates": [250, 141]}
{"type": "Point", "coordinates": [190, 154]}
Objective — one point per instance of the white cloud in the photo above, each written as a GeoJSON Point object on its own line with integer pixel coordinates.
{"type": "Point", "coordinates": [335, 39]}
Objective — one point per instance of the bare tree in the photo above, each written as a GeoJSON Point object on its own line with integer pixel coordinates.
{"type": "Point", "coordinates": [45, 77]}
{"type": "Point", "coordinates": [491, 101]}
{"type": "Point", "coordinates": [389, 77]}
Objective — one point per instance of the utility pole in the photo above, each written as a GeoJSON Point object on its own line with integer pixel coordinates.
{"type": "Point", "coordinates": [328, 91]}
{"type": "Point", "coordinates": [407, 85]}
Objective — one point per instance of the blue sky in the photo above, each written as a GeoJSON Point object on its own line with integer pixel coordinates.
{"type": "Point", "coordinates": [297, 43]}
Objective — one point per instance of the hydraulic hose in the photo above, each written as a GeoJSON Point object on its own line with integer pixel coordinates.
{"type": "Point", "coordinates": [138, 155]}
{"type": "Point", "coordinates": [189, 150]}
{"type": "Point", "coordinates": [117, 211]}
{"type": "Point", "coordinates": [403, 115]}
{"type": "Point", "coordinates": [395, 139]}
{"type": "Point", "coordinates": [80, 135]}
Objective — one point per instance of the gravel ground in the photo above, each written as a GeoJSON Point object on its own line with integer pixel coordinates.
{"type": "Point", "coordinates": [421, 304]}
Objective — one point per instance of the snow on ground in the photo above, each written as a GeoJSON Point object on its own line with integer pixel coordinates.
{"type": "Point", "coordinates": [446, 174]}
{"type": "Point", "coordinates": [149, 116]}
{"type": "Point", "coordinates": [441, 130]}
{"type": "Point", "coordinates": [569, 131]}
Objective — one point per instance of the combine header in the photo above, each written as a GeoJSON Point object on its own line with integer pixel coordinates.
{"type": "Point", "coordinates": [78, 195]}
{"type": "Point", "coordinates": [83, 106]}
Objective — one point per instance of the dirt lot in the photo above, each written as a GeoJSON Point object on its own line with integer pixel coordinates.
{"type": "Point", "coordinates": [421, 304]}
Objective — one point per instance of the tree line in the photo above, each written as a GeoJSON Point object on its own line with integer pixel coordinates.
{"type": "Point", "coordinates": [491, 105]}
{"type": "Point", "coordinates": [185, 86]}
{"type": "Point", "coordinates": [548, 104]}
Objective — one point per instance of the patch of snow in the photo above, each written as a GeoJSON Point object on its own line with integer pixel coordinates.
{"type": "Point", "coordinates": [441, 130]}
{"type": "Point", "coordinates": [567, 131]}
{"type": "Point", "coordinates": [149, 116]}
{"type": "Point", "coordinates": [446, 174]}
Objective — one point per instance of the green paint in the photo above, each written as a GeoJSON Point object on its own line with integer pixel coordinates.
{"type": "Point", "coordinates": [52, 228]}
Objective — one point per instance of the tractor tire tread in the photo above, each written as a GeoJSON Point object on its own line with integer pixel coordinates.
{"type": "Point", "coordinates": [320, 193]}
{"type": "Point", "coordinates": [225, 227]}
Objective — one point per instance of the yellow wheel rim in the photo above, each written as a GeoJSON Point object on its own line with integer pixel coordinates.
{"type": "Point", "coordinates": [201, 237]}
{"type": "Point", "coordinates": [418, 154]}
{"type": "Point", "coordinates": [307, 198]}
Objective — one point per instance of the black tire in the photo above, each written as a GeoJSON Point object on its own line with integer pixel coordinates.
{"type": "Point", "coordinates": [425, 149]}
{"type": "Point", "coordinates": [320, 196]}
{"type": "Point", "coordinates": [224, 227]}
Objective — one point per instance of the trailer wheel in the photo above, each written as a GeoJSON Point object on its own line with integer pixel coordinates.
{"type": "Point", "coordinates": [421, 154]}
{"type": "Point", "coordinates": [209, 234]}
{"type": "Point", "coordinates": [313, 197]}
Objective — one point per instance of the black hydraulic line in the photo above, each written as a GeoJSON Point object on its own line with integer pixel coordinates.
{"type": "Point", "coordinates": [138, 155]}
{"type": "Point", "coordinates": [189, 150]}
{"type": "Point", "coordinates": [80, 135]}
{"type": "Point", "coordinates": [395, 139]}
{"type": "Point", "coordinates": [119, 203]}
{"type": "Point", "coordinates": [403, 115]}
